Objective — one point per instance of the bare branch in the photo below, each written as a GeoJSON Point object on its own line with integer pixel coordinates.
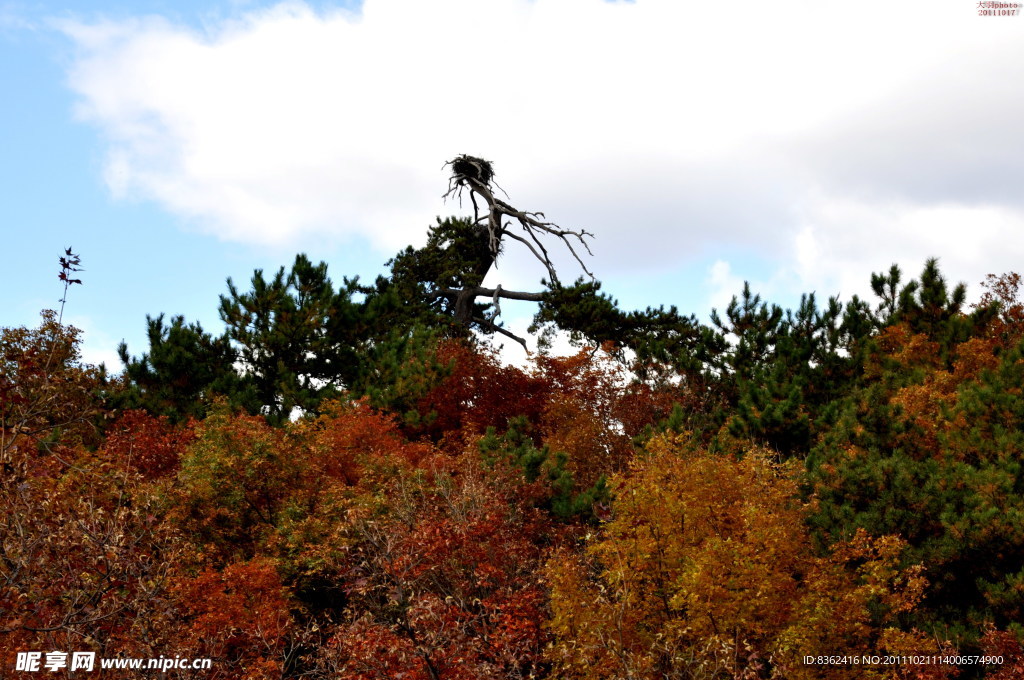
{"type": "Point", "coordinates": [490, 325]}
{"type": "Point", "coordinates": [543, 258]}
{"type": "Point", "coordinates": [497, 305]}
{"type": "Point", "coordinates": [477, 175]}
{"type": "Point", "coordinates": [480, 291]}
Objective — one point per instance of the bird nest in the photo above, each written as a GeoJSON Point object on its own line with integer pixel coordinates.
{"type": "Point", "coordinates": [470, 169]}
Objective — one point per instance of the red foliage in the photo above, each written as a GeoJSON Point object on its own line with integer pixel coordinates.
{"type": "Point", "coordinates": [585, 405]}
{"type": "Point", "coordinates": [446, 585]}
{"type": "Point", "coordinates": [147, 444]}
{"type": "Point", "coordinates": [239, 617]}
{"type": "Point", "coordinates": [479, 393]}
{"type": "Point", "coordinates": [1004, 644]}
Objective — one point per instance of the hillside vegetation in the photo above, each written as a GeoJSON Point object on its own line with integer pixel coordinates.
{"type": "Point", "coordinates": [347, 483]}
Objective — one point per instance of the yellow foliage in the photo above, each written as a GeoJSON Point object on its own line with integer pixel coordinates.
{"type": "Point", "coordinates": [706, 570]}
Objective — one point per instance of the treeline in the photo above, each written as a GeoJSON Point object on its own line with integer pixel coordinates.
{"type": "Point", "coordinates": [348, 483]}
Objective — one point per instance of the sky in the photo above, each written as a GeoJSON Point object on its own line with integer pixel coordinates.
{"type": "Point", "coordinates": [797, 144]}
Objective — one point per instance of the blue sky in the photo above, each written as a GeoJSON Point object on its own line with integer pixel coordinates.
{"type": "Point", "coordinates": [139, 257]}
{"type": "Point", "coordinates": [800, 145]}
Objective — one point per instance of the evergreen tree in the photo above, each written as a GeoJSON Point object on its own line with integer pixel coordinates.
{"type": "Point", "coordinates": [657, 335]}
{"type": "Point", "coordinates": [788, 369]}
{"type": "Point", "coordinates": [184, 368]}
{"type": "Point", "coordinates": [296, 337]}
{"type": "Point", "coordinates": [928, 446]}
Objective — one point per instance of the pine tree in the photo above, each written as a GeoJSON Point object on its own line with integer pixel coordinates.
{"type": "Point", "coordinates": [183, 370]}
{"type": "Point", "coordinates": [295, 336]}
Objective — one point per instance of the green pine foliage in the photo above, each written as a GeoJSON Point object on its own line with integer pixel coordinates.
{"type": "Point", "coordinates": [182, 371]}
{"type": "Point", "coordinates": [929, 447]}
{"type": "Point", "coordinates": [294, 336]}
{"type": "Point", "coordinates": [540, 464]}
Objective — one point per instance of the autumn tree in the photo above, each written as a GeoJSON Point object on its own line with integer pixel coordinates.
{"type": "Point", "coordinates": [239, 617]}
{"type": "Point", "coordinates": [783, 373]}
{"type": "Point", "coordinates": [1003, 294]}
{"type": "Point", "coordinates": [444, 582]}
{"type": "Point", "coordinates": [706, 570]}
{"type": "Point", "coordinates": [47, 395]}
{"type": "Point", "coordinates": [83, 554]}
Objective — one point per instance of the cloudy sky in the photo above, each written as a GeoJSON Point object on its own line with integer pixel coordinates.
{"type": "Point", "coordinates": [797, 144]}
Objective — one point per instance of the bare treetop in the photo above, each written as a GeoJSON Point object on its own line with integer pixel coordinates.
{"type": "Point", "coordinates": [477, 175]}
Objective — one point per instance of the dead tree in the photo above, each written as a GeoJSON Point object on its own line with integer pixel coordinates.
{"type": "Point", "coordinates": [495, 220]}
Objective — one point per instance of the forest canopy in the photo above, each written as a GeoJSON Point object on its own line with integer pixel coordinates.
{"type": "Point", "coordinates": [347, 482]}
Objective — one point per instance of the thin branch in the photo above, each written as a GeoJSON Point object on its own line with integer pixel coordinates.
{"type": "Point", "coordinates": [544, 259]}
{"type": "Point", "coordinates": [490, 325]}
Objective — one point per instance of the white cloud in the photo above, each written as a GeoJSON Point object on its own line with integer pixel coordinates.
{"type": "Point", "coordinates": [831, 138]}
{"type": "Point", "coordinates": [843, 241]}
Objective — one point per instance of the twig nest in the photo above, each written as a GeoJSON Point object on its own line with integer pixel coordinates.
{"type": "Point", "coordinates": [466, 168]}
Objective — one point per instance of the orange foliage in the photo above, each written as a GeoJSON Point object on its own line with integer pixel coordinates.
{"type": "Point", "coordinates": [347, 438]}
{"type": "Point", "coordinates": [925, 405]}
{"type": "Point", "coordinates": [593, 411]}
{"type": "Point", "coordinates": [973, 357]}
{"type": "Point", "coordinates": [898, 345]}
{"type": "Point", "coordinates": [246, 488]}
{"type": "Point", "coordinates": [85, 558]}
{"type": "Point", "coordinates": [44, 389]}
{"type": "Point", "coordinates": [84, 553]}
{"type": "Point", "coordinates": [239, 617]}
{"type": "Point", "coordinates": [243, 542]}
